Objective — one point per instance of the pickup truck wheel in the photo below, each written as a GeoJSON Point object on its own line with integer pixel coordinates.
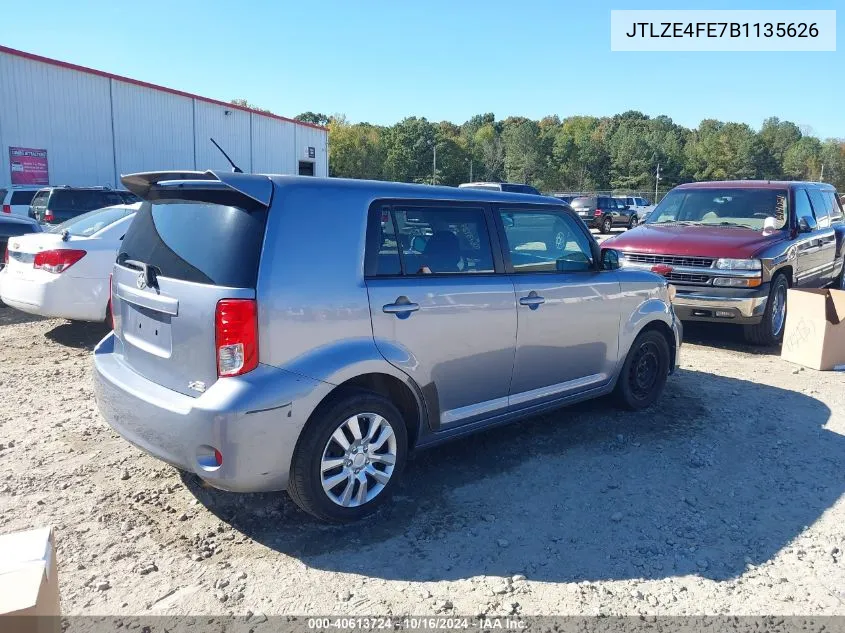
{"type": "Point", "coordinates": [770, 330]}
{"type": "Point", "coordinates": [841, 283]}
{"type": "Point", "coordinates": [349, 457]}
{"type": "Point", "coordinates": [644, 372]}
{"type": "Point", "coordinates": [607, 224]}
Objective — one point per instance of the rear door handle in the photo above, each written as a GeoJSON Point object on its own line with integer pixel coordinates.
{"type": "Point", "coordinates": [533, 300]}
{"type": "Point", "coordinates": [402, 306]}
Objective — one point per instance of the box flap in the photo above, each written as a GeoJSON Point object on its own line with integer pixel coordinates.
{"type": "Point", "coordinates": [24, 547]}
{"type": "Point", "coordinates": [20, 587]}
{"type": "Point", "coordinates": [836, 308]}
{"type": "Point", "coordinates": [807, 301]}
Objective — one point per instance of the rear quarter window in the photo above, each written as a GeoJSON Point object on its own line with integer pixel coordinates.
{"type": "Point", "coordinates": [200, 242]}
{"type": "Point", "coordinates": [39, 200]}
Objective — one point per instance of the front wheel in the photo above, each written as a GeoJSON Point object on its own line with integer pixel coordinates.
{"type": "Point", "coordinates": [770, 329]}
{"type": "Point", "coordinates": [644, 373]}
{"type": "Point", "coordinates": [349, 458]}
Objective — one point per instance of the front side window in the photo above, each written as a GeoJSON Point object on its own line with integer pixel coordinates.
{"type": "Point", "coordinates": [745, 208]}
{"type": "Point", "coordinates": [545, 241]}
{"type": "Point", "coordinates": [820, 208]}
{"type": "Point", "coordinates": [802, 206]}
{"type": "Point", "coordinates": [420, 240]}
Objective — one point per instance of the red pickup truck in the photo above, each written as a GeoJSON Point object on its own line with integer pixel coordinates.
{"type": "Point", "coordinates": [732, 248]}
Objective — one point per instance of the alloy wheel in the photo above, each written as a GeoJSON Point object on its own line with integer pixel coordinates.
{"type": "Point", "coordinates": [778, 310]}
{"type": "Point", "coordinates": [358, 460]}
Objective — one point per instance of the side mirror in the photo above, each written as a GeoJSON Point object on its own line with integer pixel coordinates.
{"type": "Point", "coordinates": [418, 243]}
{"type": "Point", "coordinates": [609, 259]}
{"type": "Point", "coordinates": [807, 224]}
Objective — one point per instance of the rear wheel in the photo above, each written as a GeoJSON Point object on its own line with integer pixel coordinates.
{"type": "Point", "coordinates": [841, 282]}
{"type": "Point", "coordinates": [634, 222]}
{"type": "Point", "coordinates": [607, 224]}
{"type": "Point", "coordinates": [349, 458]}
{"type": "Point", "coordinates": [770, 329]}
{"type": "Point", "coordinates": [645, 371]}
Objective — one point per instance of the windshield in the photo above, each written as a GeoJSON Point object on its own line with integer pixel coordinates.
{"type": "Point", "coordinates": [87, 224]}
{"type": "Point", "coordinates": [746, 208]}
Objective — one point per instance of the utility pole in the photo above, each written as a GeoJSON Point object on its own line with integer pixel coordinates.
{"type": "Point", "coordinates": [470, 169]}
{"type": "Point", "coordinates": [656, 182]}
{"type": "Point", "coordinates": [821, 178]}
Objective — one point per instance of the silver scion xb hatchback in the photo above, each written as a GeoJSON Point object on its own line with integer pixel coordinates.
{"type": "Point", "coordinates": [279, 332]}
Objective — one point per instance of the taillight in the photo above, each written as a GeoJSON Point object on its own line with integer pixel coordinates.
{"type": "Point", "coordinates": [236, 336]}
{"type": "Point", "coordinates": [7, 208]}
{"type": "Point", "coordinates": [57, 261]}
{"type": "Point", "coordinates": [48, 216]}
{"type": "Point", "coordinates": [598, 213]}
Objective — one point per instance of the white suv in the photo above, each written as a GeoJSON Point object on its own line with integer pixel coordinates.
{"type": "Point", "coordinates": [16, 198]}
{"type": "Point", "coordinates": [642, 206]}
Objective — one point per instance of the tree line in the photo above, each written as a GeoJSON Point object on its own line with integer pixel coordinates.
{"type": "Point", "coordinates": [578, 153]}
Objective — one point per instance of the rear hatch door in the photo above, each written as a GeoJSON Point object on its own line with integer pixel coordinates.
{"type": "Point", "coordinates": [194, 241]}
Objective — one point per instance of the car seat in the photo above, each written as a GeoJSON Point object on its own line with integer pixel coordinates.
{"type": "Point", "coordinates": [442, 253]}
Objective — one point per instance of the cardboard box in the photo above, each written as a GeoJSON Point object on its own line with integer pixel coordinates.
{"type": "Point", "coordinates": [815, 328]}
{"type": "Point", "coordinates": [29, 583]}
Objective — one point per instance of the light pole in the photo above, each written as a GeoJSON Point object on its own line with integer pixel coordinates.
{"type": "Point", "coordinates": [656, 182]}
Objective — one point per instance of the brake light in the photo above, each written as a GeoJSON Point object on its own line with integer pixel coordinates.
{"type": "Point", "coordinates": [7, 208]}
{"type": "Point", "coordinates": [48, 216]}
{"type": "Point", "coordinates": [236, 336]}
{"type": "Point", "coordinates": [57, 261]}
{"type": "Point", "coordinates": [598, 212]}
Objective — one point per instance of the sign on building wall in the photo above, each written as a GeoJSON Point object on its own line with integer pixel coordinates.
{"type": "Point", "coordinates": [28, 166]}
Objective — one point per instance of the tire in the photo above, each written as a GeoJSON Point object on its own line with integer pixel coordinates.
{"type": "Point", "coordinates": [644, 372]}
{"type": "Point", "coordinates": [606, 224]}
{"type": "Point", "coordinates": [307, 471]}
{"type": "Point", "coordinates": [770, 329]}
{"type": "Point", "coordinates": [840, 283]}
{"type": "Point", "coordinates": [634, 222]}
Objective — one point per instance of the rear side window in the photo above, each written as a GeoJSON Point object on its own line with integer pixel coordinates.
{"type": "Point", "coordinates": [833, 206]}
{"type": "Point", "coordinates": [39, 200]}
{"type": "Point", "coordinates": [22, 197]}
{"type": "Point", "coordinates": [802, 205]}
{"type": "Point", "coordinates": [426, 241]}
{"type": "Point", "coordinates": [200, 242]}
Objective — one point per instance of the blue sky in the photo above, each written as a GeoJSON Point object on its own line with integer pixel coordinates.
{"type": "Point", "coordinates": [382, 61]}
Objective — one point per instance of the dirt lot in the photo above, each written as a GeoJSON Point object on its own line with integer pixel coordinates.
{"type": "Point", "coordinates": [725, 499]}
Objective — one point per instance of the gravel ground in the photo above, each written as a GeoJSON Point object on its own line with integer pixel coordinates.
{"type": "Point", "coordinates": [724, 499]}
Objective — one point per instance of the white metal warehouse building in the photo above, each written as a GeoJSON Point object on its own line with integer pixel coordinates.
{"type": "Point", "coordinates": [90, 127]}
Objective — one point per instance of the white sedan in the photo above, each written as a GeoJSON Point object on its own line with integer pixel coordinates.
{"type": "Point", "coordinates": [65, 272]}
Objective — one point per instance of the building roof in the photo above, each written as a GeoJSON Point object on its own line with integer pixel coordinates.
{"type": "Point", "coordinates": [182, 93]}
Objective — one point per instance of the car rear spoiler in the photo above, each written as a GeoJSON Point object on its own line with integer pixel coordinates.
{"type": "Point", "coordinates": [147, 184]}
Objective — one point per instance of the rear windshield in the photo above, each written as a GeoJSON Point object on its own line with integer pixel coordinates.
{"type": "Point", "coordinates": [12, 229]}
{"type": "Point", "coordinates": [583, 202]}
{"type": "Point", "coordinates": [82, 200]}
{"type": "Point", "coordinates": [519, 189]}
{"type": "Point", "coordinates": [747, 208]}
{"type": "Point", "coordinates": [22, 197]}
{"type": "Point", "coordinates": [200, 242]}
{"type": "Point", "coordinates": [39, 200]}
{"type": "Point", "coordinates": [89, 223]}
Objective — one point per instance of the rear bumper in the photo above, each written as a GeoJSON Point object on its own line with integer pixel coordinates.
{"type": "Point", "coordinates": [253, 420]}
{"type": "Point", "coordinates": [725, 306]}
{"type": "Point", "coordinates": [56, 296]}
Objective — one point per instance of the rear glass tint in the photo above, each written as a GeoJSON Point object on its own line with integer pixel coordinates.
{"type": "Point", "coordinates": [82, 200]}
{"type": "Point", "coordinates": [583, 202]}
{"type": "Point", "coordinates": [89, 223]}
{"type": "Point", "coordinates": [22, 197]}
{"type": "Point", "coordinates": [12, 229]}
{"type": "Point", "coordinates": [200, 242]}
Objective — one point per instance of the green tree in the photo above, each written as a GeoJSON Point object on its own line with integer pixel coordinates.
{"type": "Point", "coordinates": [246, 104]}
{"type": "Point", "coordinates": [490, 150]}
{"type": "Point", "coordinates": [833, 161]}
{"type": "Point", "coordinates": [409, 151]}
{"type": "Point", "coordinates": [355, 151]}
{"type": "Point", "coordinates": [314, 117]}
{"type": "Point", "coordinates": [723, 151]}
{"type": "Point", "coordinates": [523, 160]}
{"type": "Point", "coordinates": [802, 161]}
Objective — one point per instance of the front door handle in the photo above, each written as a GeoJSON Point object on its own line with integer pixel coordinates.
{"type": "Point", "coordinates": [533, 300]}
{"type": "Point", "coordinates": [402, 307]}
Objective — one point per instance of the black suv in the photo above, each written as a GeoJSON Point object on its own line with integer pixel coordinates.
{"type": "Point", "coordinates": [54, 205]}
{"type": "Point", "coordinates": [604, 213]}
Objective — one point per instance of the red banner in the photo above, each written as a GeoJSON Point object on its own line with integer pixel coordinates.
{"type": "Point", "coordinates": [28, 166]}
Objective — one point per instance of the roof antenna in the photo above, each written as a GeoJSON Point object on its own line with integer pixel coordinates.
{"type": "Point", "coordinates": [235, 168]}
